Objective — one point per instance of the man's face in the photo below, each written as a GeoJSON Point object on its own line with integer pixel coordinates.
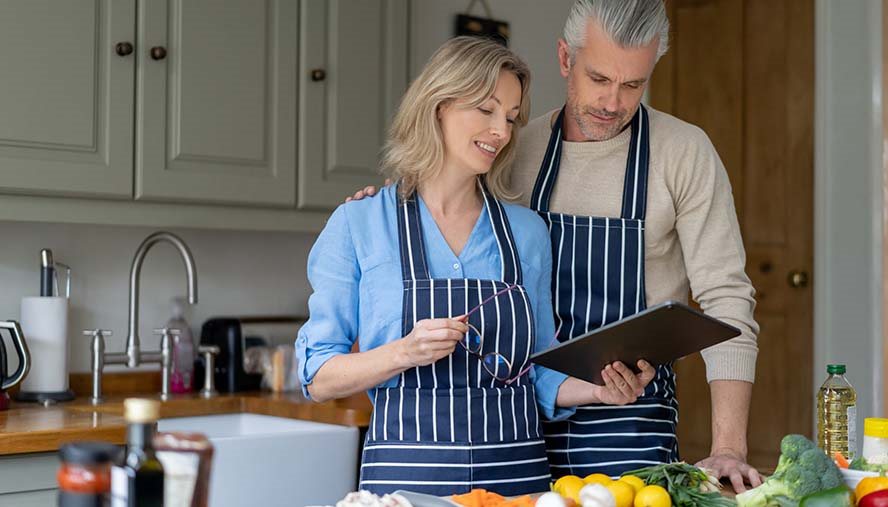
{"type": "Point", "coordinates": [605, 83]}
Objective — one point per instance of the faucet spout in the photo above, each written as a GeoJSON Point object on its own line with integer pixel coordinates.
{"type": "Point", "coordinates": [133, 353]}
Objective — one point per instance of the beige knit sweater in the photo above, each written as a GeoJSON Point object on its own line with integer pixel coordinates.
{"type": "Point", "coordinates": [692, 238]}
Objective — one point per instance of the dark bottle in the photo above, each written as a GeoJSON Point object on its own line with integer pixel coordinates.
{"type": "Point", "coordinates": [84, 476]}
{"type": "Point", "coordinates": [138, 482]}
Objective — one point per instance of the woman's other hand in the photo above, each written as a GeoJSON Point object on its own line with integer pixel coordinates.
{"type": "Point", "coordinates": [431, 340]}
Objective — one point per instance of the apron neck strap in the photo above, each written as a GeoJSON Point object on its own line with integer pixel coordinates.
{"type": "Point", "coordinates": [413, 259]}
{"type": "Point", "coordinates": [635, 182]}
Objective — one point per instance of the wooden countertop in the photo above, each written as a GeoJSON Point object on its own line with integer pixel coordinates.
{"type": "Point", "coordinates": [27, 428]}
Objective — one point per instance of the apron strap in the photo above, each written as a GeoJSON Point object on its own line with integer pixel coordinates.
{"type": "Point", "coordinates": [635, 182]}
{"type": "Point", "coordinates": [545, 182]}
{"type": "Point", "coordinates": [511, 269]}
{"type": "Point", "coordinates": [413, 259]}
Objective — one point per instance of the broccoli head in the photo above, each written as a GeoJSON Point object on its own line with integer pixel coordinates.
{"type": "Point", "coordinates": [803, 469]}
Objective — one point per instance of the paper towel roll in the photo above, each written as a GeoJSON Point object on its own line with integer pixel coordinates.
{"type": "Point", "coordinates": [44, 322]}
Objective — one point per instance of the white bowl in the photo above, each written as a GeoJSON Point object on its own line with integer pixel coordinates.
{"type": "Point", "coordinates": [852, 477]}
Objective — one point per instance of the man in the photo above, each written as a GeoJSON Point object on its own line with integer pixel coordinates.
{"type": "Point", "coordinates": [640, 211]}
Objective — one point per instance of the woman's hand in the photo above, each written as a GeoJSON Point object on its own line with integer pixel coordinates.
{"type": "Point", "coordinates": [431, 340]}
{"type": "Point", "coordinates": [621, 385]}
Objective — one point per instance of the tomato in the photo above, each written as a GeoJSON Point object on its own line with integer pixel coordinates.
{"type": "Point", "coordinates": [875, 499]}
{"type": "Point", "coordinates": [869, 485]}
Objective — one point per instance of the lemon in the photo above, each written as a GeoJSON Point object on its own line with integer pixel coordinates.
{"type": "Point", "coordinates": [597, 479]}
{"type": "Point", "coordinates": [623, 492]}
{"type": "Point", "coordinates": [569, 486]}
{"type": "Point", "coordinates": [636, 482]}
{"type": "Point", "coordinates": [653, 496]}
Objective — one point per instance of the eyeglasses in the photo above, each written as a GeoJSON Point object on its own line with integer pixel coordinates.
{"type": "Point", "coordinates": [495, 363]}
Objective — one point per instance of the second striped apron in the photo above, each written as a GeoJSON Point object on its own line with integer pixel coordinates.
{"type": "Point", "coordinates": [598, 278]}
{"type": "Point", "coordinates": [451, 426]}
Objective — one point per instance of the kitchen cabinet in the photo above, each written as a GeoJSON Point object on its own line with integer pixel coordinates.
{"type": "Point", "coordinates": [201, 113]}
{"type": "Point", "coordinates": [28, 480]}
{"type": "Point", "coordinates": [354, 55]}
{"type": "Point", "coordinates": [67, 98]}
{"type": "Point", "coordinates": [216, 101]}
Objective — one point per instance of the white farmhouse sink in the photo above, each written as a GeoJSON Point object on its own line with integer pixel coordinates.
{"type": "Point", "coordinates": [273, 461]}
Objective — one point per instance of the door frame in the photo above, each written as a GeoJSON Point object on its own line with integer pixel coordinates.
{"type": "Point", "coordinates": [848, 177]}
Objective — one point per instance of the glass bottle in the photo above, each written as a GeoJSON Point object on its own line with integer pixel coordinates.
{"type": "Point", "coordinates": [84, 476]}
{"type": "Point", "coordinates": [837, 414]}
{"type": "Point", "coordinates": [138, 482]}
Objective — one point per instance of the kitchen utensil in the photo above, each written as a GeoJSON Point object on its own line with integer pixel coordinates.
{"type": "Point", "coordinates": [47, 272]}
{"type": "Point", "coordinates": [24, 361]}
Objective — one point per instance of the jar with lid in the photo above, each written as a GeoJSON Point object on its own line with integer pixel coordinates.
{"type": "Point", "coordinates": [875, 441]}
{"type": "Point", "coordinates": [84, 476]}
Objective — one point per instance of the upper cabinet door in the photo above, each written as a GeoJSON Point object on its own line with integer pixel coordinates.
{"type": "Point", "coordinates": [216, 99]}
{"type": "Point", "coordinates": [66, 107]}
{"type": "Point", "coordinates": [353, 71]}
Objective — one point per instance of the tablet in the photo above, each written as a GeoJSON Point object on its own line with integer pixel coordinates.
{"type": "Point", "coordinates": [660, 334]}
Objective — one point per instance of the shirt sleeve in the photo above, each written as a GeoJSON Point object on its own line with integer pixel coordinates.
{"type": "Point", "coordinates": [715, 260]}
{"type": "Point", "coordinates": [334, 275]}
{"type": "Point", "coordinates": [546, 382]}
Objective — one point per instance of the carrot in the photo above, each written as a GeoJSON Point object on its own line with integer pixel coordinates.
{"type": "Point", "coordinates": [840, 460]}
{"type": "Point", "coordinates": [474, 498]}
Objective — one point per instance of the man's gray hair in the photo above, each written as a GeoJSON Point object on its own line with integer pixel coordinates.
{"type": "Point", "coordinates": [630, 23]}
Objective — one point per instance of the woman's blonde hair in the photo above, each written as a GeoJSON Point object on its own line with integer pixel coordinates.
{"type": "Point", "coordinates": [465, 69]}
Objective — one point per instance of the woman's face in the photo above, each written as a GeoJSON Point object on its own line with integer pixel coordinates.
{"type": "Point", "coordinates": [474, 136]}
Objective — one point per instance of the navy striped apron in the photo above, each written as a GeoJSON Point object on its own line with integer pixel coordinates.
{"type": "Point", "coordinates": [599, 278]}
{"type": "Point", "coordinates": [451, 426]}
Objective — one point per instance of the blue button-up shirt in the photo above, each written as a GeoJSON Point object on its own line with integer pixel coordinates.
{"type": "Point", "coordinates": [355, 271]}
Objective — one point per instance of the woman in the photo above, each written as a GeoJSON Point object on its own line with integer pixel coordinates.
{"type": "Point", "coordinates": [446, 290]}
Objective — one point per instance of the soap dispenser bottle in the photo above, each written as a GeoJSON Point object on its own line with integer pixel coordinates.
{"type": "Point", "coordinates": [182, 371]}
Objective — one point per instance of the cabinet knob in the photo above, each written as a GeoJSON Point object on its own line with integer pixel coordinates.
{"type": "Point", "coordinates": [123, 48]}
{"type": "Point", "coordinates": [798, 279]}
{"type": "Point", "coordinates": [318, 75]}
{"type": "Point", "coordinates": [158, 53]}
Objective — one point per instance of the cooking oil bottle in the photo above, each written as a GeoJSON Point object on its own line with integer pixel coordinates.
{"type": "Point", "coordinates": [837, 414]}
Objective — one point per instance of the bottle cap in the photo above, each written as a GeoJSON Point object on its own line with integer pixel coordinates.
{"type": "Point", "coordinates": [138, 410]}
{"type": "Point", "coordinates": [875, 427]}
{"type": "Point", "coordinates": [835, 369]}
{"type": "Point", "coordinates": [90, 453]}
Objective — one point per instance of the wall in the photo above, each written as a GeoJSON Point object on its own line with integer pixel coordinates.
{"type": "Point", "coordinates": [238, 273]}
{"type": "Point", "coordinates": [535, 28]}
{"type": "Point", "coordinates": [848, 201]}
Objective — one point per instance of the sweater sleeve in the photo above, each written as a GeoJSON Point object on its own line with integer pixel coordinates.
{"type": "Point", "coordinates": [709, 234]}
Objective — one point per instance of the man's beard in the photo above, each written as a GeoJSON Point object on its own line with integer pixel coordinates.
{"type": "Point", "coordinates": [593, 131]}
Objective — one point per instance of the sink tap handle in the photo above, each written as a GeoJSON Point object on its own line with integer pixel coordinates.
{"type": "Point", "coordinates": [166, 359]}
{"type": "Point", "coordinates": [97, 363]}
{"type": "Point", "coordinates": [209, 352]}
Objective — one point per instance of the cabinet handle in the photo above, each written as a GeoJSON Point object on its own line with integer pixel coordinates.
{"type": "Point", "coordinates": [158, 53]}
{"type": "Point", "coordinates": [123, 48]}
{"type": "Point", "coordinates": [318, 75]}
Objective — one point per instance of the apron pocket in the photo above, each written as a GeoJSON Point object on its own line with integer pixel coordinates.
{"type": "Point", "coordinates": [432, 468]}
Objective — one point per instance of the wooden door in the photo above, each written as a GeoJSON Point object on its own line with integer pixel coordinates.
{"type": "Point", "coordinates": [216, 110]}
{"type": "Point", "coordinates": [743, 70]}
{"type": "Point", "coordinates": [353, 69]}
{"type": "Point", "coordinates": [66, 107]}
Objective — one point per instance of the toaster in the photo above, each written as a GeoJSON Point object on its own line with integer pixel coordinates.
{"type": "Point", "coordinates": [233, 336]}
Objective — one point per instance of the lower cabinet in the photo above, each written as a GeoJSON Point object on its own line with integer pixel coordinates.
{"type": "Point", "coordinates": [28, 480]}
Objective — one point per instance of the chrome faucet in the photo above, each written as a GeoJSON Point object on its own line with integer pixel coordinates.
{"type": "Point", "coordinates": [134, 356]}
